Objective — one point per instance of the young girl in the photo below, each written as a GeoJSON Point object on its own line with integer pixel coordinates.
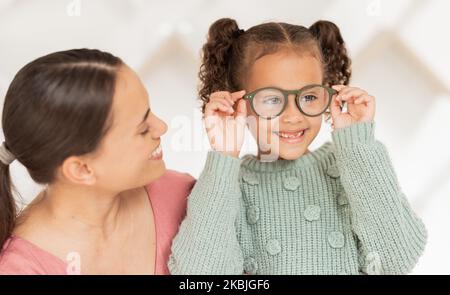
{"type": "Point", "coordinates": [80, 122]}
{"type": "Point", "coordinates": [336, 210]}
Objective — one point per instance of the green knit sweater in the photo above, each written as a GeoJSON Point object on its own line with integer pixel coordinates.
{"type": "Point", "coordinates": [336, 210]}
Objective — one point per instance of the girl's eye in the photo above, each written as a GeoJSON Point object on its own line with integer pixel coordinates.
{"type": "Point", "coordinates": [309, 97]}
{"type": "Point", "coordinates": [272, 100]}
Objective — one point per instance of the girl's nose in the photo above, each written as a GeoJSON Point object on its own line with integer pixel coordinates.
{"type": "Point", "coordinates": [159, 127]}
{"type": "Point", "coordinates": [292, 114]}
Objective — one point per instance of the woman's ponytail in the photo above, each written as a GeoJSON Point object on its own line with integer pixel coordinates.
{"type": "Point", "coordinates": [8, 208]}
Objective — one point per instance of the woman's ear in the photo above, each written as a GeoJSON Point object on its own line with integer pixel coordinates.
{"type": "Point", "coordinates": [76, 170]}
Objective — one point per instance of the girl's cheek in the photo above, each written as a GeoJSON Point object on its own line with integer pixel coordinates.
{"type": "Point", "coordinates": [314, 129]}
{"type": "Point", "coordinates": [317, 123]}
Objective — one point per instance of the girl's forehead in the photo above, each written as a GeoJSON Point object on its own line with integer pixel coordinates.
{"type": "Point", "coordinates": [285, 69]}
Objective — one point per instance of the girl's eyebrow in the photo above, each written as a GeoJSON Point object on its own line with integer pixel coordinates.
{"type": "Point", "coordinates": [145, 116]}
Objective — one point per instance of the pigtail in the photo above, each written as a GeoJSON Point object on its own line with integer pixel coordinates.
{"type": "Point", "coordinates": [336, 60]}
{"type": "Point", "coordinates": [216, 54]}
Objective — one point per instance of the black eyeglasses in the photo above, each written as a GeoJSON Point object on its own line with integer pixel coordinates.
{"type": "Point", "coordinates": [269, 102]}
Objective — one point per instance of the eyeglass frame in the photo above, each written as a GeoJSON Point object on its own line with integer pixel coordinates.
{"type": "Point", "coordinates": [250, 96]}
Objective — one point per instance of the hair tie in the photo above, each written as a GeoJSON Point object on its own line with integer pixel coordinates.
{"type": "Point", "coordinates": [6, 157]}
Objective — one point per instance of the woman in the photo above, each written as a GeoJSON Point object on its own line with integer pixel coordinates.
{"type": "Point", "coordinates": [80, 122]}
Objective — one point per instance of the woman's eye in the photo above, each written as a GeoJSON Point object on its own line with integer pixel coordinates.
{"type": "Point", "coordinates": [272, 100]}
{"type": "Point", "coordinates": [308, 98]}
{"type": "Point", "coordinates": [144, 132]}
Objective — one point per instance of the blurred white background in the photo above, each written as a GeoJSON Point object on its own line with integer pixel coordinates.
{"type": "Point", "coordinates": [399, 48]}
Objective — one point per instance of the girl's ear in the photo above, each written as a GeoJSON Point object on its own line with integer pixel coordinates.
{"type": "Point", "coordinates": [76, 170]}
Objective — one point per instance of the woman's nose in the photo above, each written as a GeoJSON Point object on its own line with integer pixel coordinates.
{"type": "Point", "coordinates": [160, 127]}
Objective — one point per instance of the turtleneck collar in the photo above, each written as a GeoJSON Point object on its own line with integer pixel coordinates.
{"type": "Point", "coordinates": [251, 162]}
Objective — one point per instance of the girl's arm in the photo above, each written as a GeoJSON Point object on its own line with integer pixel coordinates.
{"type": "Point", "coordinates": [207, 241]}
{"type": "Point", "coordinates": [391, 237]}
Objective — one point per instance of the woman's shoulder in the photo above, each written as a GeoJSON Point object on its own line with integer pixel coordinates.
{"type": "Point", "coordinates": [20, 257]}
{"type": "Point", "coordinates": [177, 177]}
{"type": "Point", "coordinates": [172, 184]}
{"type": "Point", "coordinates": [172, 181]}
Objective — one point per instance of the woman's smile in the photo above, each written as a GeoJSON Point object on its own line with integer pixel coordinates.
{"type": "Point", "coordinates": [157, 153]}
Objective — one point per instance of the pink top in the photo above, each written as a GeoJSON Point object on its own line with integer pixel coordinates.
{"type": "Point", "coordinates": [168, 196]}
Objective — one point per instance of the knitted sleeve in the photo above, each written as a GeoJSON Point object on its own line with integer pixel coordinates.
{"type": "Point", "coordinates": [207, 242]}
{"type": "Point", "coordinates": [390, 235]}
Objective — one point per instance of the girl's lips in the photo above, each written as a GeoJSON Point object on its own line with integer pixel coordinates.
{"type": "Point", "coordinates": [157, 153]}
{"type": "Point", "coordinates": [291, 137]}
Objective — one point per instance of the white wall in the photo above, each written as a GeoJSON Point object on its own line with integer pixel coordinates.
{"type": "Point", "coordinates": [399, 50]}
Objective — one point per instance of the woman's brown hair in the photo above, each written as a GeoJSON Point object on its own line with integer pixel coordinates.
{"type": "Point", "coordinates": [56, 106]}
{"type": "Point", "coordinates": [230, 52]}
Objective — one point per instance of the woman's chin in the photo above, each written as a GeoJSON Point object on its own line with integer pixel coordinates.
{"type": "Point", "coordinates": [155, 172]}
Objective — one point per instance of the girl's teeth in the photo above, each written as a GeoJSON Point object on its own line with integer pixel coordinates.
{"type": "Point", "coordinates": [284, 135]}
